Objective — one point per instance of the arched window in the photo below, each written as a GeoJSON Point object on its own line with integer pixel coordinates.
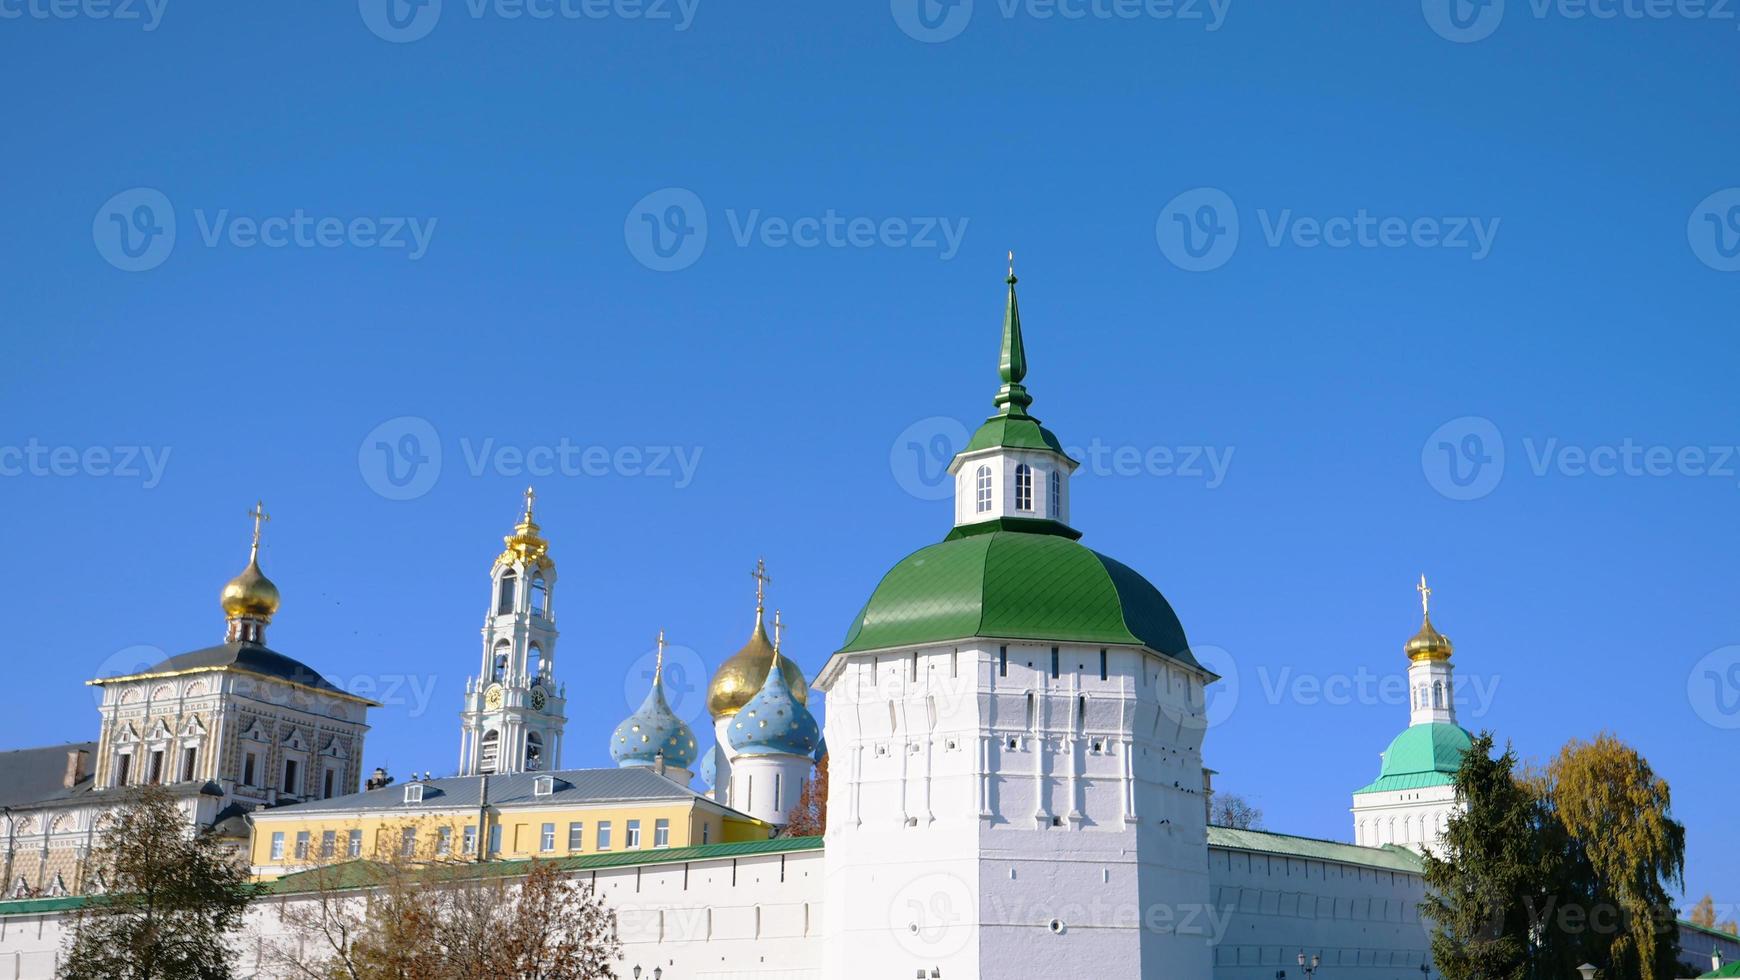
{"type": "Point", "coordinates": [534, 662]}
{"type": "Point", "coordinates": [498, 668]}
{"type": "Point", "coordinates": [1054, 501]}
{"type": "Point", "coordinates": [489, 751]}
{"type": "Point", "coordinates": [1024, 488]}
{"type": "Point", "coordinates": [540, 596]}
{"type": "Point", "coordinates": [534, 751]}
{"type": "Point", "coordinates": [983, 481]}
{"type": "Point", "coordinates": [1437, 694]}
{"type": "Point", "coordinates": [505, 603]}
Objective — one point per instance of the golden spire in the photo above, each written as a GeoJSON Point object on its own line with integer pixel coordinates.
{"type": "Point", "coordinates": [1428, 644]}
{"type": "Point", "coordinates": [525, 544]}
{"type": "Point", "coordinates": [251, 594]}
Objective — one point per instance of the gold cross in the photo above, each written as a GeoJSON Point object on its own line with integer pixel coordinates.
{"type": "Point", "coordinates": [762, 581]}
{"type": "Point", "coordinates": [531, 496]}
{"type": "Point", "coordinates": [659, 664]}
{"type": "Point", "coordinates": [258, 514]}
{"type": "Point", "coordinates": [1425, 596]}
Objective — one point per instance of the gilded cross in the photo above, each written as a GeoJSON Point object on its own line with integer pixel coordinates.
{"type": "Point", "coordinates": [1425, 596]}
{"type": "Point", "coordinates": [659, 664]}
{"type": "Point", "coordinates": [531, 496]}
{"type": "Point", "coordinates": [258, 514]}
{"type": "Point", "coordinates": [762, 581]}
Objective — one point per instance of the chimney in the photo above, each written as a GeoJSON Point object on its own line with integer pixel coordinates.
{"type": "Point", "coordinates": [659, 762]}
{"type": "Point", "coordinates": [76, 770]}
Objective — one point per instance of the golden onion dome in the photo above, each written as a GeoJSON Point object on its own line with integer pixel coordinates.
{"type": "Point", "coordinates": [743, 673]}
{"type": "Point", "coordinates": [250, 594]}
{"type": "Point", "coordinates": [1428, 644]}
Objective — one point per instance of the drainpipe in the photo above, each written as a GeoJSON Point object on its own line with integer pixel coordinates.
{"type": "Point", "coordinates": [482, 816]}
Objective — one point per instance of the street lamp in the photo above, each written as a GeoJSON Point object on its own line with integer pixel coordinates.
{"type": "Point", "coordinates": [1588, 970]}
{"type": "Point", "coordinates": [1309, 968]}
{"type": "Point", "coordinates": [1424, 970]}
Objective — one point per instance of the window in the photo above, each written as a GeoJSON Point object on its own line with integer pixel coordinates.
{"type": "Point", "coordinates": [540, 595]}
{"type": "Point", "coordinates": [330, 784]}
{"type": "Point", "coordinates": [983, 490]}
{"type": "Point", "coordinates": [495, 838]}
{"type": "Point", "coordinates": [156, 767]}
{"type": "Point", "coordinates": [302, 845]}
{"type": "Point", "coordinates": [408, 842]}
{"type": "Point", "coordinates": [776, 786]}
{"type": "Point", "coordinates": [534, 751]}
{"type": "Point", "coordinates": [1437, 694]}
{"type": "Point", "coordinates": [543, 785]}
{"type": "Point", "coordinates": [189, 763]}
{"type": "Point", "coordinates": [604, 835]}
{"type": "Point", "coordinates": [490, 751]}
{"type": "Point", "coordinates": [414, 793]}
{"type": "Point", "coordinates": [249, 762]}
{"type": "Point", "coordinates": [633, 839]}
{"type": "Point", "coordinates": [547, 838]}
{"type": "Point", "coordinates": [468, 842]}
{"type": "Point", "coordinates": [328, 843]}
{"type": "Point", "coordinates": [123, 768]}
{"type": "Point", "coordinates": [444, 841]}
{"type": "Point", "coordinates": [353, 844]}
{"type": "Point", "coordinates": [1054, 500]}
{"type": "Point", "coordinates": [290, 776]}
{"type": "Point", "coordinates": [505, 602]}
{"type": "Point", "coordinates": [576, 836]}
{"type": "Point", "coordinates": [1002, 661]}
{"type": "Point", "coordinates": [277, 845]}
{"type": "Point", "coordinates": [706, 832]}
{"type": "Point", "coordinates": [534, 661]}
{"type": "Point", "coordinates": [1024, 488]}
{"type": "Point", "coordinates": [498, 671]}
{"type": "Point", "coordinates": [1102, 663]}
{"type": "Point", "coordinates": [1053, 661]}
{"type": "Point", "coordinates": [661, 833]}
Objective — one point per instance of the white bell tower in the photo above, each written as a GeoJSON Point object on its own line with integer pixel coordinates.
{"type": "Point", "coordinates": [513, 716]}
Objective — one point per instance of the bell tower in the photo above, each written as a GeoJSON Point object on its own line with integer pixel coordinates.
{"type": "Point", "coordinates": [513, 716]}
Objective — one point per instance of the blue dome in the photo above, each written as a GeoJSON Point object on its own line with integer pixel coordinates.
{"type": "Point", "coordinates": [774, 721]}
{"type": "Point", "coordinates": [710, 769]}
{"type": "Point", "coordinates": [653, 729]}
{"type": "Point", "coordinates": [821, 751]}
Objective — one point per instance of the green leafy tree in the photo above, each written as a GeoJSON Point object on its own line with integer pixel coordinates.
{"type": "Point", "coordinates": [1478, 887]}
{"type": "Point", "coordinates": [172, 897]}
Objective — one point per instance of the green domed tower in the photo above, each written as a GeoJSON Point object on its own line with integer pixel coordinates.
{"type": "Point", "coordinates": [1010, 717]}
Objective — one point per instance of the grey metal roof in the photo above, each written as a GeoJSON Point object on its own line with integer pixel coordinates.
{"type": "Point", "coordinates": [38, 775]}
{"type": "Point", "coordinates": [572, 786]}
{"type": "Point", "coordinates": [250, 657]}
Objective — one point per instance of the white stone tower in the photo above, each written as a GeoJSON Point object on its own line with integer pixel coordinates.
{"type": "Point", "coordinates": [1414, 796]}
{"type": "Point", "coordinates": [513, 715]}
{"type": "Point", "coordinates": [1015, 726]}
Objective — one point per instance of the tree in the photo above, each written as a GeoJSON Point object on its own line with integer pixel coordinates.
{"type": "Point", "coordinates": [1704, 912]}
{"type": "Point", "coordinates": [809, 818]}
{"type": "Point", "coordinates": [172, 896]}
{"type": "Point", "coordinates": [1476, 887]}
{"type": "Point", "coordinates": [555, 928]}
{"type": "Point", "coordinates": [1615, 806]}
{"type": "Point", "coordinates": [1233, 810]}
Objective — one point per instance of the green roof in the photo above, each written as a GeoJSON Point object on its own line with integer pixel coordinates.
{"type": "Point", "coordinates": [1390, 857]}
{"type": "Point", "coordinates": [363, 874]}
{"type": "Point", "coordinates": [1422, 755]}
{"type": "Point", "coordinates": [1014, 432]}
{"type": "Point", "coordinates": [1015, 585]}
{"type": "Point", "coordinates": [1727, 970]}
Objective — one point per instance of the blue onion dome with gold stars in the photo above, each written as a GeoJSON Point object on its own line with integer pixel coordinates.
{"type": "Point", "coordinates": [774, 721]}
{"type": "Point", "coordinates": [709, 770]}
{"type": "Point", "coordinates": [654, 728]}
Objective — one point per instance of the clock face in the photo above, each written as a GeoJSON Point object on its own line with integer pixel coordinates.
{"type": "Point", "coordinates": [493, 696]}
{"type": "Point", "coordinates": [538, 698]}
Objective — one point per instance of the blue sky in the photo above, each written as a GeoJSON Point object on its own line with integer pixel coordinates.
{"type": "Point", "coordinates": [1534, 229]}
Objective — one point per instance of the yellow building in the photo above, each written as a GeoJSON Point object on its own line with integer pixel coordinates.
{"type": "Point", "coordinates": [496, 817]}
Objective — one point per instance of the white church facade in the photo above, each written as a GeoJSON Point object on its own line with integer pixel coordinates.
{"type": "Point", "coordinates": [1014, 729]}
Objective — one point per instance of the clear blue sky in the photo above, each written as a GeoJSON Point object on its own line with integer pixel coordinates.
{"type": "Point", "coordinates": [531, 315]}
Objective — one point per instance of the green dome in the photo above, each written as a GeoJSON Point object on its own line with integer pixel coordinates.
{"type": "Point", "coordinates": [1035, 583]}
{"type": "Point", "coordinates": [1422, 755]}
